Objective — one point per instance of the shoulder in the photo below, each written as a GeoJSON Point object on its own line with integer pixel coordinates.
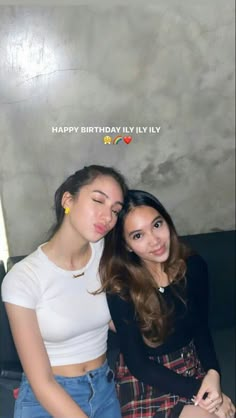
{"type": "Point", "coordinates": [21, 282]}
{"type": "Point", "coordinates": [195, 262]}
{"type": "Point", "coordinates": [197, 270]}
{"type": "Point", "coordinates": [26, 266]}
{"type": "Point", "coordinates": [119, 306]}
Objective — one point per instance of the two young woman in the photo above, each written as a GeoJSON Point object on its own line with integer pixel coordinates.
{"type": "Point", "coordinates": [157, 293]}
{"type": "Point", "coordinates": [58, 324]}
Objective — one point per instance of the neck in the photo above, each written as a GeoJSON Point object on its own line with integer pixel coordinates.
{"type": "Point", "coordinates": [155, 268]}
{"type": "Point", "coordinates": [157, 272]}
{"type": "Point", "coordinates": [67, 250]}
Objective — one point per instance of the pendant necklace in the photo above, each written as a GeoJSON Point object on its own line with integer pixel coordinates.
{"type": "Point", "coordinates": [78, 275]}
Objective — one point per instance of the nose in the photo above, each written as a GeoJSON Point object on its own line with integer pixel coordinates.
{"type": "Point", "coordinates": [154, 239]}
{"type": "Point", "coordinates": [107, 215]}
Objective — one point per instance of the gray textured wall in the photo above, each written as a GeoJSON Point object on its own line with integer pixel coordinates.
{"type": "Point", "coordinates": [167, 64]}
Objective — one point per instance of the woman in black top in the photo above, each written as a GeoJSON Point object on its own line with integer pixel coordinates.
{"type": "Point", "coordinates": [157, 292]}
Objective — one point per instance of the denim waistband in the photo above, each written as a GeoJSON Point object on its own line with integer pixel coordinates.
{"type": "Point", "coordinates": [91, 373]}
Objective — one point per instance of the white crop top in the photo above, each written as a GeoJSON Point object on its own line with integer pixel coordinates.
{"type": "Point", "coordinates": [72, 321]}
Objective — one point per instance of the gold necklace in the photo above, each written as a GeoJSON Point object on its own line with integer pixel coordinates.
{"type": "Point", "coordinates": [75, 276]}
{"type": "Point", "coordinates": [87, 258]}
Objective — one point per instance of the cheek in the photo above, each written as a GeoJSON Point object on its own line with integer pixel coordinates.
{"type": "Point", "coordinates": [130, 244]}
{"type": "Point", "coordinates": [168, 236]}
{"type": "Point", "coordinates": [113, 223]}
{"type": "Point", "coordinates": [137, 247]}
{"type": "Point", "coordinates": [166, 233]}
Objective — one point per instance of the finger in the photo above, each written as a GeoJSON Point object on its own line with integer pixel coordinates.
{"type": "Point", "coordinates": [231, 409]}
{"type": "Point", "coordinates": [213, 397]}
{"type": "Point", "coordinates": [210, 409]}
{"type": "Point", "coordinates": [202, 394]}
{"type": "Point", "coordinates": [206, 402]}
{"type": "Point", "coordinates": [212, 404]}
{"type": "Point", "coordinates": [232, 412]}
{"type": "Point", "coordinates": [213, 410]}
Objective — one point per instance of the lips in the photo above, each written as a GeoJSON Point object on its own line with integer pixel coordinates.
{"type": "Point", "coordinates": [100, 229]}
{"type": "Point", "coordinates": [159, 251]}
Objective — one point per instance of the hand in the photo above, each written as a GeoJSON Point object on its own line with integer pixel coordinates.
{"type": "Point", "coordinates": [112, 326]}
{"type": "Point", "coordinates": [227, 408]}
{"type": "Point", "coordinates": [211, 386]}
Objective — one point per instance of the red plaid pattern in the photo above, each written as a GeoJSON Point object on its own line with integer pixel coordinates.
{"type": "Point", "coordinates": [139, 400]}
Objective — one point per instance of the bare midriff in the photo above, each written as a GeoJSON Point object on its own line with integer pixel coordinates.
{"type": "Point", "coordinates": [73, 370]}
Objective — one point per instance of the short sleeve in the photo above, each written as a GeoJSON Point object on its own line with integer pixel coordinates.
{"type": "Point", "coordinates": [20, 286]}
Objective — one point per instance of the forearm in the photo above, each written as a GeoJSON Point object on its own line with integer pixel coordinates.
{"type": "Point", "coordinates": [198, 294]}
{"type": "Point", "coordinates": [57, 401]}
{"type": "Point", "coordinates": [36, 364]}
{"type": "Point", "coordinates": [166, 380]}
{"type": "Point", "coordinates": [206, 350]}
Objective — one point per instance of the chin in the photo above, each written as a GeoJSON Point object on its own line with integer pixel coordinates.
{"type": "Point", "coordinates": [163, 258]}
{"type": "Point", "coordinates": [96, 238]}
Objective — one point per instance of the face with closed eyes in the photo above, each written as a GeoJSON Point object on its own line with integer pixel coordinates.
{"type": "Point", "coordinates": [94, 211]}
{"type": "Point", "coordinates": [147, 234]}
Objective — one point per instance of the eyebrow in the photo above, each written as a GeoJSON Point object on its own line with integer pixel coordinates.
{"type": "Point", "coordinates": [104, 194]}
{"type": "Point", "coordinates": [140, 230]}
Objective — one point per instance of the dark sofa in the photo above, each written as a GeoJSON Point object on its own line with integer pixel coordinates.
{"type": "Point", "coordinates": [218, 249]}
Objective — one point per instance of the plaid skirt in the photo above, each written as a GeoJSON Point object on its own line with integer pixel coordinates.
{"type": "Point", "coordinates": [139, 400]}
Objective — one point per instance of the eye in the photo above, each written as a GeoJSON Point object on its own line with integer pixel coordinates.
{"type": "Point", "coordinates": [116, 212]}
{"type": "Point", "coordinates": [137, 236]}
{"type": "Point", "coordinates": [97, 201]}
{"type": "Point", "coordinates": [158, 224]}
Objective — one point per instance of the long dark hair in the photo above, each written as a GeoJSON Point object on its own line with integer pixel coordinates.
{"type": "Point", "coordinates": [123, 272]}
{"type": "Point", "coordinates": [77, 180]}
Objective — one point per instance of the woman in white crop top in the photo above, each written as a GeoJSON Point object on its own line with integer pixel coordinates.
{"type": "Point", "coordinates": [58, 323]}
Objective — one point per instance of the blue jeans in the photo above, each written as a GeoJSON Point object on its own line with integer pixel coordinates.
{"type": "Point", "coordinates": [94, 392]}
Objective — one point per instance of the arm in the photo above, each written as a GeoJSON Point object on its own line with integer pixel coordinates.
{"type": "Point", "coordinates": [112, 326]}
{"type": "Point", "coordinates": [197, 276]}
{"type": "Point", "coordinates": [136, 357]}
{"type": "Point", "coordinates": [35, 362]}
{"type": "Point", "coordinates": [198, 285]}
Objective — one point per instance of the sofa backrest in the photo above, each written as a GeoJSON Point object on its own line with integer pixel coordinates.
{"type": "Point", "coordinates": [218, 250]}
{"type": "Point", "coordinates": [2, 271]}
{"type": "Point", "coordinates": [9, 360]}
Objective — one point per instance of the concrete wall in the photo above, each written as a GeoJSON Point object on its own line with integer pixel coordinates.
{"type": "Point", "coordinates": [164, 64]}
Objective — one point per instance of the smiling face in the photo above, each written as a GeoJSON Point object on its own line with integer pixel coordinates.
{"type": "Point", "coordinates": [147, 234]}
{"type": "Point", "coordinates": [94, 211]}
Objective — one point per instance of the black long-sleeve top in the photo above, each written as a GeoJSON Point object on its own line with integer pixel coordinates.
{"type": "Point", "coordinates": [189, 324]}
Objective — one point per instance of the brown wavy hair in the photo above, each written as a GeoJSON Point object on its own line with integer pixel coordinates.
{"type": "Point", "coordinates": [124, 273]}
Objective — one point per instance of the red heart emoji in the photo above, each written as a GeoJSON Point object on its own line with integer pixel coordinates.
{"type": "Point", "coordinates": [127, 139]}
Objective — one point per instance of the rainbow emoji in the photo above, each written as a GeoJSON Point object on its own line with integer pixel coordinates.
{"type": "Point", "coordinates": [117, 140]}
